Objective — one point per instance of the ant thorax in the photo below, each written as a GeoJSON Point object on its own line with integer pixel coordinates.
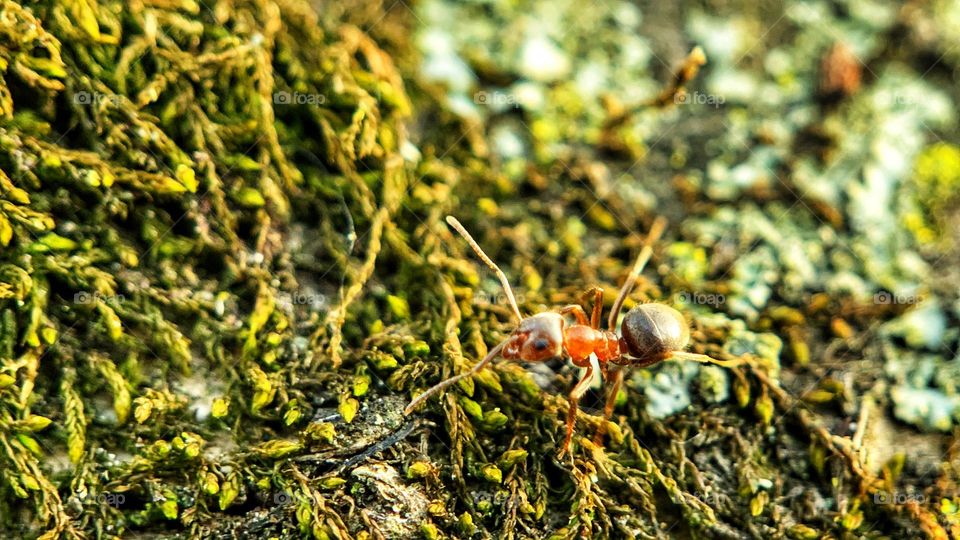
{"type": "Point", "coordinates": [580, 341]}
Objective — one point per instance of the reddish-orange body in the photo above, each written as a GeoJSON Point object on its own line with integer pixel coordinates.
{"type": "Point", "coordinates": [547, 335]}
{"type": "Point", "coordinates": [650, 333]}
{"type": "Point", "coordinates": [580, 341]}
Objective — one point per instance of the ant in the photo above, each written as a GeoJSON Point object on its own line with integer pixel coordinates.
{"type": "Point", "coordinates": [650, 333]}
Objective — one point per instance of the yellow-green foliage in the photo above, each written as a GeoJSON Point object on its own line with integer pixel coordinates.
{"type": "Point", "coordinates": [150, 172]}
{"type": "Point", "coordinates": [937, 189]}
{"type": "Point", "coordinates": [938, 174]}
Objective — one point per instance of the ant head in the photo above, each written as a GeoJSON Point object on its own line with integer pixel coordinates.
{"type": "Point", "coordinates": [537, 338]}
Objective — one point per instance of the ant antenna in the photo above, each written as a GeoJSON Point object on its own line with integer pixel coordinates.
{"type": "Point", "coordinates": [486, 360]}
{"type": "Point", "coordinates": [656, 230]}
{"type": "Point", "coordinates": [483, 256]}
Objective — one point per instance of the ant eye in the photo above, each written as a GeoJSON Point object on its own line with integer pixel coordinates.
{"type": "Point", "coordinates": [540, 344]}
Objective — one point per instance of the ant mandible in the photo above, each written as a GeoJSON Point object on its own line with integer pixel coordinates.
{"type": "Point", "coordinates": [650, 333]}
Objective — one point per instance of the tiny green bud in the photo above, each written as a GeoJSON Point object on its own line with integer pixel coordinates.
{"type": "Point", "coordinates": [614, 433]}
{"type": "Point", "coordinates": [472, 408]}
{"type": "Point", "coordinates": [802, 532]}
{"type": "Point", "coordinates": [192, 450]}
{"type": "Point", "coordinates": [30, 444]}
{"type": "Point", "coordinates": [361, 384]}
{"type": "Point", "coordinates": [228, 492]}
{"type": "Point", "coordinates": [384, 362]}
{"type": "Point", "coordinates": [764, 408]}
{"type": "Point", "coordinates": [29, 482]}
{"type": "Point", "coordinates": [465, 523]}
{"type": "Point", "coordinates": [169, 508]}
{"type": "Point", "coordinates": [852, 520]}
{"type": "Point", "coordinates": [250, 198]}
{"type": "Point", "coordinates": [348, 408]}
{"type": "Point", "coordinates": [419, 469]}
{"type": "Point", "coordinates": [489, 379]}
{"type": "Point", "coordinates": [143, 410]}
{"type": "Point", "coordinates": [55, 242]}
{"type": "Point", "coordinates": [416, 348]}
{"type": "Point", "coordinates": [278, 448]}
{"type": "Point", "coordinates": [33, 423]}
{"type": "Point", "coordinates": [187, 177]}
{"type": "Point", "coordinates": [221, 406]}
{"type": "Point", "coordinates": [17, 487]}
{"type": "Point", "coordinates": [492, 473]}
{"type": "Point", "coordinates": [161, 448]}
{"type": "Point", "coordinates": [304, 515]}
{"type": "Point", "coordinates": [398, 306]}
{"type": "Point", "coordinates": [290, 417]}
{"type": "Point", "coordinates": [49, 335]}
{"type": "Point", "coordinates": [429, 530]}
{"type": "Point", "coordinates": [741, 389]}
{"type": "Point", "coordinates": [511, 458]}
{"type": "Point", "coordinates": [332, 482]}
{"type": "Point", "coordinates": [494, 419]}
{"type": "Point", "coordinates": [211, 486]}
{"type": "Point", "coordinates": [758, 502]}
{"type": "Point", "coordinates": [321, 431]}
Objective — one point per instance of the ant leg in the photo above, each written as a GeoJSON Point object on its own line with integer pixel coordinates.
{"type": "Point", "coordinates": [597, 307]}
{"type": "Point", "coordinates": [577, 311]}
{"type": "Point", "coordinates": [608, 406]}
{"type": "Point", "coordinates": [655, 231]}
{"type": "Point", "coordinates": [453, 380]}
{"type": "Point", "coordinates": [574, 399]}
{"type": "Point", "coordinates": [704, 359]}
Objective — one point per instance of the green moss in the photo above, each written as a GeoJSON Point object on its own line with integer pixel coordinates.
{"type": "Point", "coordinates": [937, 193]}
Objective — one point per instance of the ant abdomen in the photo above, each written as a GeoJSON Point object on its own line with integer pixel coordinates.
{"type": "Point", "coordinates": [649, 333]}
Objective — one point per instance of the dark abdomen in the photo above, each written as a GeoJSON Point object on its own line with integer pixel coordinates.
{"type": "Point", "coordinates": [650, 332]}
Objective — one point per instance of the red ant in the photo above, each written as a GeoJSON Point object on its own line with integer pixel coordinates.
{"type": "Point", "coordinates": [650, 333]}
